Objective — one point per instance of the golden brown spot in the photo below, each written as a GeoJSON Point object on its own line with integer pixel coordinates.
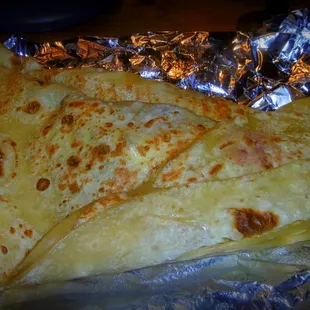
{"type": "Point", "coordinates": [3, 199]}
{"type": "Point", "coordinates": [2, 158]}
{"type": "Point", "coordinates": [27, 252]}
{"type": "Point", "coordinates": [46, 130]}
{"type": "Point", "coordinates": [32, 107]}
{"type": "Point", "coordinates": [12, 230]}
{"type": "Point", "coordinates": [62, 187]}
{"type": "Point", "coordinates": [215, 170]}
{"type": "Point", "coordinates": [67, 120]}
{"type": "Point", "coordinates": [28, 233]}
{"type": "Point", "coordinates": [122, 162]}
{"type": "Point", "coordinates": [141, 150]}
{"type": "Point", "coordinates": [226, 144]}
{"type": "Point", "coordinates": [156, 142]}
{"type": "Point", "coordinates": [75, 144]}
{"type": "Point", "coordinates": [88, 213]}
{"type": "Point", "coordinates": [150, 123]}
{"type": "Point", "coordinates": [248, 141]}
{"type": "Point", "coordinates": [119, 148]}
{"type": "Point", "coordinates": [74, 188]}
{"type": "Point", "coordinates": [240, 111]}
{"type": "Point", "coordinates": [250, 222]}
{"type": "Point", "coordinates": [172, 175]}
{"type": "Point", "coordinates": [129, 87]}
{"type": "Point", "coordinates": [123, 175]}
{"type": "Point", "coordinates": [4, 249]}
{"type": "Point", "coordinates": [259, 148]}
{"type": "Point", "coordinates": [223, 110]}
{"type": "Point", "coordinates": [101, 167]}
{"type": "Point", "coordinates": [43, 184]}
{"type": "Point", "coordinates": [298, 114]}
{"type": "Point", "coordinates": [51, 149]}
{"type": "Point", "coordinates": [176, 131]}
{"type": "Point", "coordinates": [109, 125]}
{"type": "Point", "coordinates": [58, 165]}
{"type": "Point", "coordinates": [201, 127]}
{"type": "Point", "coordinates": [111, 200]}
{"type": "Point", "coordinates": [73, 161]}
{"type": "Point", "coordinates": [101, 110]}
{"type": "Point", "coordinates": [206, 109]}
{"type": "Point", "coordinates": [277, 139]}
{"type": "Point", "coordinates": [76, 104]}
{"type": "Point", "coordinates": [166, 137]}
{"type": "Point", "coordinates": [20, 225]}
{"type": "Point", "coordinates": [191, 180]}
{"type": "Point", "coordinates": [181, 210]}
{"type": "Point", "coordinates": [130, 124]}
{"type": "Point", "coordinates": [80, 81]}
{"type": "Point", "coordinates": [101, 151]}
{"type": "Point", "coordinates": [88, 167]}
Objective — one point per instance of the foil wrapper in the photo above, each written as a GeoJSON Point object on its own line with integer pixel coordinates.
{"type": "Point", "coordinates": [265, 70]}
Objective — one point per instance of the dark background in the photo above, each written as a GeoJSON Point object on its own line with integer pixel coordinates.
{"type": "Point", "coordinates": [131, 16]}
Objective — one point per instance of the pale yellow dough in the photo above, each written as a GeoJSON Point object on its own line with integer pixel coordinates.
{"type": "Point", "coordinates": [92, 180]}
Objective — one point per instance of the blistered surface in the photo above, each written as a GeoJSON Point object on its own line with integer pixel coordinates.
{"type": "Point", "coordinates": [265, 70]}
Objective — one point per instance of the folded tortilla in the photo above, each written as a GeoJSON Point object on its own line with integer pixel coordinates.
{"type": "Point", "coordinates": [123, 86]}
{"type": "Point", "coordinates": [90, 186]}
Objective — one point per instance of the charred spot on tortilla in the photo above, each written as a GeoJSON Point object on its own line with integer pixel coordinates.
{"type": "Point", "coordinates": [43, 184]}
{"type": "Point", "coordinates": [166, 137]}
{"type": "Point", "coordinates": [67, 120]}
{"type": "Point", "coordinates": [4, 249]}
{"type": "Point", "coordinates": [46, 130]}
{"type": "Point", "coordinates": [101, 150]}
{"type": "Point", "coordinates": [201, 127]}
{"type": "Point", "coordinates": [74, 188]}
{"type": "Point", "coordinates": [28, 233]}
{"type": "Point", "coordinates": [228, 143]}
{"type": "Point", "coordinates": [216, 169]}
{"type": "Point", "coordinates": [251, 222]}
{"type": "Point", "coordinates": [12, 230]}
{"type": "Point", "coordinates": [32, 107]}
{"type": "Point", "coordinates": [73, 161]}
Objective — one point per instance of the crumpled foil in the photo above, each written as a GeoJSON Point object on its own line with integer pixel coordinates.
{"type": "Point", "coordinates": [265, 70]}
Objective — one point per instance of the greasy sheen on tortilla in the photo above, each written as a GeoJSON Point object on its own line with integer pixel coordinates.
{"type": "Point", "coordinates": [91, 186]}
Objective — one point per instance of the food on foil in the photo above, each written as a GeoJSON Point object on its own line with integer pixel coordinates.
{"type": "Point", "coordinates": [118, 86]}
{"type": "Point", "coordinates": [94, 180]}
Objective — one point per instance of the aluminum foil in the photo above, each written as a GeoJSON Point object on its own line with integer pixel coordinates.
{"type": "Point", "coordinates": [271, 279]}
{"type": "Point", "coordinates": [266, 70]}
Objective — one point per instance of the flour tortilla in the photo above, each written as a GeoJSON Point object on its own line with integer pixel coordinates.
{"type": "Point", "coordinates": [90, 186]}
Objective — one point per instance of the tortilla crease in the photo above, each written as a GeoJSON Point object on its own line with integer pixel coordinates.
{"type": "Point", "coordinates": [90, 186]}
